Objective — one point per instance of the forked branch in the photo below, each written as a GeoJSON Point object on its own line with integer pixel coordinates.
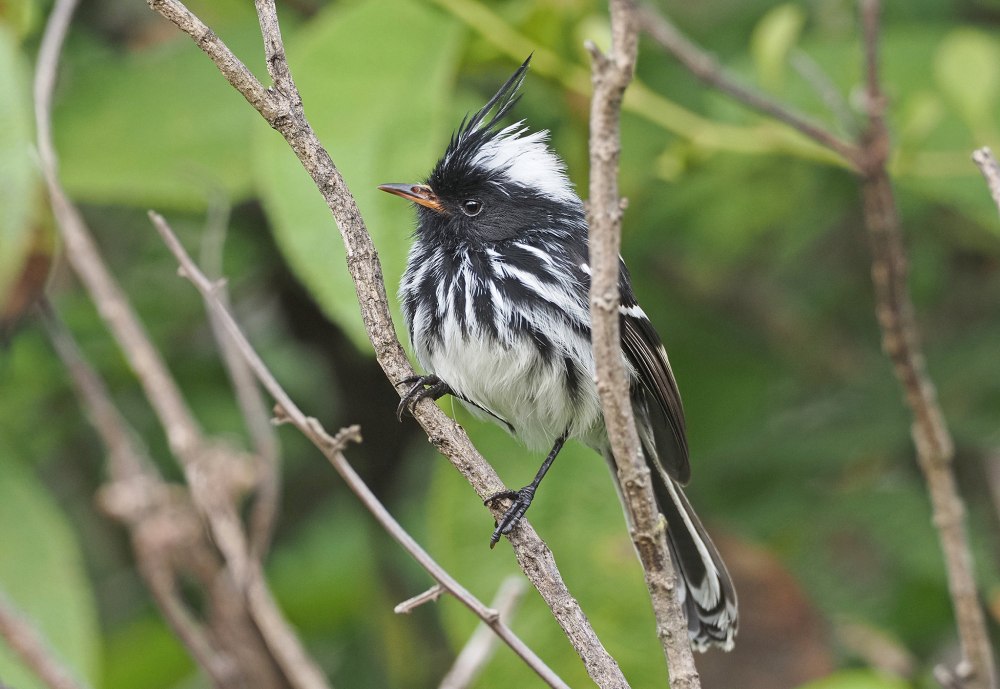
{"type": "Point", "coordinates": [281, 107]}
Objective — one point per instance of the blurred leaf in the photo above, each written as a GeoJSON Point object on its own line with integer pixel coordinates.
{"type": "Point", "coordinates": [157, 127]}
{"type": "Point", "coordinates": [381, 113]}
{"type": "Point", "coordinates": [39, 546]}
{"type": "Point", "coordinates": [18, 178]}
{"type": "Point", "coordinates": [145, 643]}
{"type": "Point", "coordinates": [967, 70]}
{"type": "Point", "coordinates": [19, 16]}
{"type": "Point", "coordinates": [29, 286]}
{"type": "Point", "coordinates": [857, 679]}
{"type": "Point", "coordinates": [773, 38]}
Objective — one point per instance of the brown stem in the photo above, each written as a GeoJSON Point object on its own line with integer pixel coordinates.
{"type": "Point", "coordinates": [704, 66]}
{"type": "Point", "coordinates": [983, 157]}
{"type": "Point", "coordinates": [281, 107]}
{"type": "Point", "coordinates": [332, 447]}
{"type": "Point", "coordinates": [611, 76]}
{"type": "Point", "coordinates": [28, 644]}
{"type": "Point", "coordinates": [894, 311]}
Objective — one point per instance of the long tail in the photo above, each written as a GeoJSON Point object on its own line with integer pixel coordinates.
{"type": "Point", "coordinates": [706, 591]}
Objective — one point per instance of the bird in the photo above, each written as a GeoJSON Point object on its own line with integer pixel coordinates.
{"type": "Point", "coordinates": [495, 296]}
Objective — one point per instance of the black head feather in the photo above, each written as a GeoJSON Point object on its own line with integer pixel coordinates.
{"type": "Point", "coordinates": [475, 131]}
{"type": "Point", "coordinates": [512, 181]}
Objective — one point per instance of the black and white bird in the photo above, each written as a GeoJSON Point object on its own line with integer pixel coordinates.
{"type": "Point", "coordinates": [495, 296]}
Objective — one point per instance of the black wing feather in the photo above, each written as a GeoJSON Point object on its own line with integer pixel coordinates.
{"type": "Point", "coordinates": [656, 390]}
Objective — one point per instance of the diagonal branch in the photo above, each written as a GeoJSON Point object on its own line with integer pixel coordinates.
{"type": "Point", "coordinates": [28, 644]}
{"type": "Point", "coordinates": [704, 66]}
{"type": "Point", "coordinates": [611, 75]}
{"type": "Point", "coordinates": [983, 158]}
{"type": "Point", "coordinates": [332, 447]}
{"type": "Point", "coordinates": [281, 107]}
{"type": "Point", "coordinates": [894, 311]}
{"type": "Point", "coordinates": [901, 342]}
{"type": "Point", "coordinates": [215, 474]}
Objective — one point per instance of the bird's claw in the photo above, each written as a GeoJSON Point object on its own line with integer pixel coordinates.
{"type": "Point", "coordinates": [420, 387]}
{"type": "Point", "coordinates": [520, 501]}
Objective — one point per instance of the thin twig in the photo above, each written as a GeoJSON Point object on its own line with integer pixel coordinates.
{"type": "Point", "coordinates": [213, 472]}
{"type": "Point", "coordinates": [136, 496]}
{"type": "Point", "coordinates": [983, 157]}
{"type": "Point", "coordinates": [894, 310]}
{"type": "Point", "coordinates": [480, 647]}
{"type": "Point", "coordinates": [900, 340]}
{"type": "Point", "coordinates": [266, 450]}
{"type": "Point", "coordinates": [30, 646]}
{"type": "Point", "coordinates": [332, 449]}
{"type": "Point", "coordinates": [411, 604]}
{"type": "Point", "coordinates": [611, 76]}
{"type": "Point", "coordinates": [705, 67]}
{"type": "Point", "coordinates": [282, 109]}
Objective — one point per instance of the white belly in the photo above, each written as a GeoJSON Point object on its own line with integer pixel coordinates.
{"type": "Point", "coordinates": [518, 385]}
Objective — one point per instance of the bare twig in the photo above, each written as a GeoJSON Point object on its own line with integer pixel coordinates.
{"type": "Point", "coordinates": [611, 75]}
{"type": "Point", "coordinates": [983, 157]}
{"type": "Point", "coordinates": [705, 67]}
{"type": "Point", "coordinates": [215, 474]}
{"type": "Point", "coordinates": [894, 309]}
{"type": "Point", "coordinates": [265, 445]}
{"type": "Point", "coordinates": [281, 107]}
{"type": "Point", "coordinates": [332, 447]}
{"type": "Point", "coordinates": [411, 604]}
{"type": "Point", "coordinates": [479, 649]}
{"type": "Point", "coordinates": [30, 646]}
{"type": "Point", "coordinates": [139, 498]}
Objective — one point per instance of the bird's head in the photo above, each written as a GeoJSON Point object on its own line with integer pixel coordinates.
{"type": "Point", "coordinates": [493, 184]}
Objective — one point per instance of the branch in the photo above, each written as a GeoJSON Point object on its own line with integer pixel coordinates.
{"type": "Point", "coordinates": [267, 452]}
{"type": "Point", "coordinates": [479, 649]}
{"type": "Point", "coordinates": [894, 310]}
{"type": "Point", "coordinates": [281, 107]}
{"type": "Point", "coordinates": [900, 340]}
{"type": "Point", "coordinates": [136, 496]}
{"type": "Point", "coordinates": [988, 165]}
{"type": "Point", "coordinates": [705, 67]}
{"type": "Point", "coordinates": [332, 448]}
{"type": "Point", "coordinates": [216, 475]}
{"type": "Point", "coordinates": [611, 75]}
{"type": "Point", "coordinates": [30, 646]}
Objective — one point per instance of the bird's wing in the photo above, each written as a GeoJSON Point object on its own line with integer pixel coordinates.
{"type": "Point", "coordinates": [655, 390]}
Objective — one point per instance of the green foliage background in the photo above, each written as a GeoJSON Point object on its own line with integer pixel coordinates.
{"type": "Point", "coordinates": [745, 243]}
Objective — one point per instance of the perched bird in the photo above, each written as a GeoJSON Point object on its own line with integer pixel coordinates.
{"type": "Point", "coordinates": [495, 296]}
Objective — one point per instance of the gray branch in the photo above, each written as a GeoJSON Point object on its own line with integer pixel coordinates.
{"type": "Point", "coordinates": [611, 75]}
{"type": "Point", "coordinates": [281, 107]}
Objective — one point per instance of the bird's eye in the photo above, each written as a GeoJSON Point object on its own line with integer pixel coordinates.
{"type": "Point", "coordinates": [472, 207]}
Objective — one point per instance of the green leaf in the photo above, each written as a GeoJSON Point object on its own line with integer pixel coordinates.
{"type": "Point", "coordinates": [857, 679]}
{"type": "Point", "coordinates": [42, 573]}
{"type": "Point", "coordinates": [18, 176]}
{"type": "Point", "coordinates": [377, 98]}
{"type": "Point", "coordinates": [158, 127]}
{"type": "Point", "coordinates": [967, 70]}
{"type": "Point", "coordinates": [774, 36]}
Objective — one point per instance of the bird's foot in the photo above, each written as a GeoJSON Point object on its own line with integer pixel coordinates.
{"type": "Point", "coordinates": [521, 500]}
{"type": "Point", "coordinates": [420, 387]}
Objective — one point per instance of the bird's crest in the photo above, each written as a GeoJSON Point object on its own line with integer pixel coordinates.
{"type": "Point", "coordinates": [509, 154]}
{"type": "Point", "coordinates": [476, 130]}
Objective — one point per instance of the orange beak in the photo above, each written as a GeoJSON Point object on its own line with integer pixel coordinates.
{"type": "Point", "coordinates": [418, 193]}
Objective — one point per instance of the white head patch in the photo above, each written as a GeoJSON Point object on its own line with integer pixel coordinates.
{"type": "Point", "coordinates": [526, 161]}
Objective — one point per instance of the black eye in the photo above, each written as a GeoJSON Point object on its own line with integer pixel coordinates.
{"type": "Point", "coordinates": [472, 207]}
